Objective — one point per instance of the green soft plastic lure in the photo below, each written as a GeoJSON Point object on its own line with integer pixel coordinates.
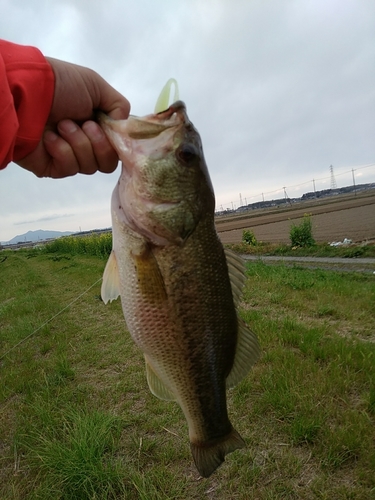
{"type": "Point", "coordinates": [163, 101]}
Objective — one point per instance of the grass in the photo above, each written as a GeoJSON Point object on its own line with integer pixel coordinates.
{"type": "Point", "coordinates": [99, 245]}
{"type": "Point", "coordinates": [77, 420]}
{"type": "Point", "coordinates": [74, 453]}
{"type": "Point", "coordinates": [351, 251]}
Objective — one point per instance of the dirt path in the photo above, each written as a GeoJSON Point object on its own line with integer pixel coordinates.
{"type": "Point", "coordinates": [333, 219]}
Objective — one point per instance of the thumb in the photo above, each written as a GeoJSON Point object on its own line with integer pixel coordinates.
{"type": "Point", "coordinates": [112, 102]}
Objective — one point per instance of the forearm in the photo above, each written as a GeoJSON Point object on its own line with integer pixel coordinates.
{"type": "Point", "coordinates": [26, 95]}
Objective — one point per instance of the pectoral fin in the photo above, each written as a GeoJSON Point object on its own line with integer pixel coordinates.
{"type": "Point", "coordinates": [247, 354]}
{"type": "Point", "coordinates": [157, 387]}
{"type": "Point", "coordinates": [150, 279]}
{"type": "Point", "coordinates": [111, 280]}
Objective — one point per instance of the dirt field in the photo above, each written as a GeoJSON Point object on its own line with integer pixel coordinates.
{"type": "Point", "coordinates": [334, 218]}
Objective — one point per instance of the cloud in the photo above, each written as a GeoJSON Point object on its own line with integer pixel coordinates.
{"type": "Point", "coordinates": [279, 91]}
{"type": "Point", "coordinates": [42, 219]}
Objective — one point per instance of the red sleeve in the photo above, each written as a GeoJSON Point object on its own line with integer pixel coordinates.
{"type": "Point", "coordinates": [26, 93]}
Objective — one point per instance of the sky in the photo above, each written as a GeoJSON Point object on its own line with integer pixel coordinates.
{"type": "Point", "coordinates": [279, 90]}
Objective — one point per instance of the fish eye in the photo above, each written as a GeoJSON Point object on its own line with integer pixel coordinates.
{"type": "Point", "coordinates": [187, 153]}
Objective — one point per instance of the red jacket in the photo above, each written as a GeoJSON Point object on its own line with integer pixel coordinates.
{"type": "Point", "coordinates": [26, 93]}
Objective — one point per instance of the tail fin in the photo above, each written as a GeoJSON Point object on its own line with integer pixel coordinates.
{"type": "Point", "coordinates": [209, 455]}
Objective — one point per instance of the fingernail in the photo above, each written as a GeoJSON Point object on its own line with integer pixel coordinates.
{"type": "Point", "coordinates": [67, 126]}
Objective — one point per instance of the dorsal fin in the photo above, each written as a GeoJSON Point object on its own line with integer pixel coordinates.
{"type": "Point", "coordinates": [236, 269]}
{"type": "Point", "coordinates": [247, 348]}
{"type": "Point", "coordinates": [247, 354]}
{"type": "Point", "coordinates": [111, 280]}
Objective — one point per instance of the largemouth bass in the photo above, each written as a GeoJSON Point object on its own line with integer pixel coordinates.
{"type": "Point", "coordinates": [179, 288]}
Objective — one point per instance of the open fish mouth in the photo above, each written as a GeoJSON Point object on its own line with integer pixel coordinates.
{"type": "Point", "coordinates": [178, 107]}
{"type": "Point", "coordinates": [150, 126]}
{"type": "Point", "coordinates": [148, 135]}
{"type": "Point", "coordinates": [166, 117]}
{"type": "Point", "coordinates": [164, 112]}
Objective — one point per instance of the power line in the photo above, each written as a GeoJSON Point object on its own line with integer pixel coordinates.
{"type": "Point", "coordinates": [314, 181]}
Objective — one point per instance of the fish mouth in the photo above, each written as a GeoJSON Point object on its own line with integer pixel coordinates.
{"type": "Point", "coordinates": [151, 126]}
{"type": "Point", "coordinates": [150, 136]}
{"type": "Point", "coordinates": [146, 127]}
{"type": "Point", "coordinates": [176, 107]}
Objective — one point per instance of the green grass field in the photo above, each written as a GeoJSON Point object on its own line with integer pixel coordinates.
{"type": "Point", "coordinates": [77, 420]}
{"type": "Point", "coordinates": [318, 250]}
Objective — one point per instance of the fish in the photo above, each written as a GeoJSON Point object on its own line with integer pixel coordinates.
{"type": "Point", "coordinates": [180, 290]}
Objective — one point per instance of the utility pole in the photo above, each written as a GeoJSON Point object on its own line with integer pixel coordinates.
{"type": "Point", "coordinates": [355, 192]}
{"type": "Point", "coordinates": [314, 187]}
{"type": "Point", "coordinates": [286, 196]}
{"type": "Point", "coordinates": [240, 200]}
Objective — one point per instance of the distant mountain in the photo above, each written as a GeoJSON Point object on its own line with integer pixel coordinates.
{"type": "Point", "coordinates": [38, 235]}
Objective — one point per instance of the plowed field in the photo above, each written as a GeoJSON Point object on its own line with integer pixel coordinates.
{"type": "Point", "coordinates": [335, 218]}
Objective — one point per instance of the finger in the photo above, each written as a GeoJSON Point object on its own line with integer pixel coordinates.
{"type": "Point", "coordinates": [120, 110]}
{"type": "Point", "coordinates": [110, 101]}
{"type": "Point", "coordinates": [80, 144]}
{"type": "Point", "coordinates": [106, 156]}
{"type": "Point", "coordinates": [53, 157]}
{"type": "Point", "coordinates": [37, 162]}
{"type": "Point", "coordinates": [63, 162]}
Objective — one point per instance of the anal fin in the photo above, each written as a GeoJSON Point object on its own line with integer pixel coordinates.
{"type": "Point", "coordinates": [157, 387]}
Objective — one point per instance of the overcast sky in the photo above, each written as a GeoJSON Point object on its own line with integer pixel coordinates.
{"type": "Point", "coordinates": [279, 91]}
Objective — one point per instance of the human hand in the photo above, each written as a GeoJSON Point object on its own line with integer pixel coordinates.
{"type": "Point", "coordinates": [72, 142]}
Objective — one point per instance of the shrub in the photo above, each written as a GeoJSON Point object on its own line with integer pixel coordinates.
{"type": "Point", "coordinates": [248, 237]}
{"type": "Point", "coordinates": [301, 234]}
{"type": "Point", "coordinates": [99, 245]}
